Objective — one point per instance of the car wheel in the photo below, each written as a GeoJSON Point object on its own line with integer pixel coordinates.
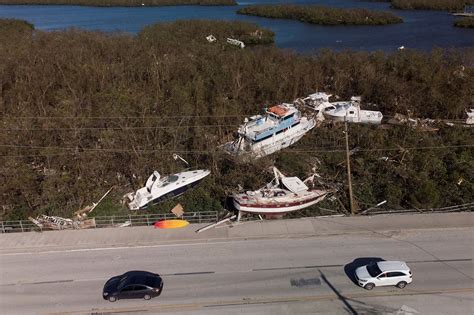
{"type": "Point", "coordinates": [369, 286]}
{"type": "Point", "coordinates": [112, 298]}
{"type": "Point", "coordinates": [147, 297]}
{"type": "Point", "coordinates": [401, 284]}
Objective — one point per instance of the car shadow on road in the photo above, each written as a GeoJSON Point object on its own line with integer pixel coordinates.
{"type": "Point", "coordinates": [351, 267]}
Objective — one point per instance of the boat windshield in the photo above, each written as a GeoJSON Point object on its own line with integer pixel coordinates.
{"type": "Point", "coordinates": [373, 269]}
{"type": "Point", "coordinates": [169, 179]}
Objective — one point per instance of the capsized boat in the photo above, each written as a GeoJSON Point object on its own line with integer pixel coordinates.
{"type": "Point", "coordinates": [260, 135]}
{"type": "Point", "coordinates": [158, 189]}
{"type": "Point", "coordinates": [283, 194]}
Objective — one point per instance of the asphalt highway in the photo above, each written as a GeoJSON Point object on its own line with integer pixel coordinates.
{"type": "Point", "coordinates": [300, 275]}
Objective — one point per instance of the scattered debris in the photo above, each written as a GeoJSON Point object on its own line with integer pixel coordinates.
{"type": "Point", "coordinates": [415, 123]}
{"type": "Point", "coordinates": [235, 42]}
{"type": "Point", "coordinates": [211, 38]}
{"type": "Point", "coordinates": [470, 116]}
{"type": "Point", "coordinates": [178, 210]}
{"type": "Point", "coordinates": [79, 220]}
{"type": "Point", "coordinates": [81, 214]}
{"type": "Point", "coordinates": [318, 102]}
{"type": "Point", "coordinates": [257, 33]}
{"type": "Point", "coordinates": [212, 225]}
{"type": "Point", "coordinates": [125, 224]}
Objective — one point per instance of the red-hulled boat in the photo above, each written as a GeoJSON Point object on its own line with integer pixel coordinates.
{"type": "Point", "coordinates": [282, 195]}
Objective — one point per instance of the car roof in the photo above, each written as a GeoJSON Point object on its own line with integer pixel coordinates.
{"type": "Point", "coordinates": [140, 277]}
{"type": "Point", "coordinates": [138, 273]}
{"type": "Point", "coordinates": [393, 266]}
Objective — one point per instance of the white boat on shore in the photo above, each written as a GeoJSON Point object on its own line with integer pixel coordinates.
{"type": "Point", "coordinates": [282, 195]}
{"type": "Point", "coordinates": [350, 111]}
{"type": "Point", "coordinates": [158, 189]}
{"type": "Point", "coordinates": [281, 126]}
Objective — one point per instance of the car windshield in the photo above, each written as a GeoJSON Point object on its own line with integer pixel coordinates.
{"type": "Point", "coordinates": [122, 282]}
{"type": "Point", "coordinates": [373, 269]}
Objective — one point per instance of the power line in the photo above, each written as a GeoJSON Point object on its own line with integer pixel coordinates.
{"type": "Point", "coordinates": [181, 116]}
{"type": "Point", "coordinates": [205, 152]}
{"type": "Point", "coordinates": [126, 117]}
{"type": "Point", "coordinates": [117, 128]}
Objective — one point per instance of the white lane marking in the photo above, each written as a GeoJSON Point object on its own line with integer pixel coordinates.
{"type": "Point", "coordinates": [119, 248]}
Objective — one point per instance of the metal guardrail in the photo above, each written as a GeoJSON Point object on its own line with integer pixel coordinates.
{"type": "Point", "coordinates": [114, 221]}
{"type": "Point", "coordinates": [457, 208]}
{"type": "Point", "coordinates": [200, 217]}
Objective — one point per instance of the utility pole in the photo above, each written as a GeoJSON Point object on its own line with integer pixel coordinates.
{"type": "Point", "coordinates": [349, 180]}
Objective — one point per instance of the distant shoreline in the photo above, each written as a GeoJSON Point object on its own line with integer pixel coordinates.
{"type": "Point", "coordinates": [322, 15]}
{"type": "Point", "coordinates": [449, 5]}
{"type": "Point", "coordinates": [467, 22]}
{"type": "Point", "coordinates": [121, 3]}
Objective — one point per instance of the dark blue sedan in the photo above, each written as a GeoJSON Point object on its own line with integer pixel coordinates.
{"type": "Point", "coordinates": [133, 285]}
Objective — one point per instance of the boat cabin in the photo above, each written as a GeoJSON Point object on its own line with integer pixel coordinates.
{"type": "Point", "coordinates": [277, 119]}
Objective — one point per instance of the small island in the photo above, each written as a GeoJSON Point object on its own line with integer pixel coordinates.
{"type": "Point", "coordinates": [467, 22]}
{"type": "Point", "coordinates": [449, 5]}
{"type": "Point", "coordinates": [119, 3]}
{"type": "Point", "coordinates": [322, 15]}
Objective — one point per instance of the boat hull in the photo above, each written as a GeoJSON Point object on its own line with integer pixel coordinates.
{"type": "Point", "coordinates": [142, 198]}
{"type": "Point", "coordinates": [276, 207]}
{"type": "Point", "coordinates": [271, 145]}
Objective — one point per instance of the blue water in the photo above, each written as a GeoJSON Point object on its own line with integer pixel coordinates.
{"type": "Point", "coordinates": [422, 30]}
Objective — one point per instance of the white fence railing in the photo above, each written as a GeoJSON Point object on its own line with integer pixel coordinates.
{"type": "Point", "coordinates": [114, 221]}
{"type": "Point", "coordinates": [199, 217]}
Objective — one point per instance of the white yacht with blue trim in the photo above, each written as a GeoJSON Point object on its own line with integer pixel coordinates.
{"type": "Point", "coordinates": [261, 135]}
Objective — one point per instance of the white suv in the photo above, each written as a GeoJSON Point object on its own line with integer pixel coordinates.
{"type": "Point", "coordinates": [383, 273]}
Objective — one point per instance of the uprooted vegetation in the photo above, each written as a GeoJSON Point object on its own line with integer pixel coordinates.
{"type": "Point", "coordinates": [82, 111]}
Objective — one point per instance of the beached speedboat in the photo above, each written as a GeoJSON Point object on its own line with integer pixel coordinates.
{"type": "Point", "coordinates": [283, 194]}
{"type": "Point", "coordinates": [260, 135]}
{"type": "Point", "coordinates": [158, 189]}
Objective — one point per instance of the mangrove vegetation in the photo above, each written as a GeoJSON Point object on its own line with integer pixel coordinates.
{"type": "Point", "coordinates": [322, 15]}
{"type": "Point", "coordinates": [84, 111]}
{"type": "Point", "coordinates": [119, 3]}
{"type": "Point", "coordinates": [450, 5]}
{"type": "Point", "coordinates": [467, 22]}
